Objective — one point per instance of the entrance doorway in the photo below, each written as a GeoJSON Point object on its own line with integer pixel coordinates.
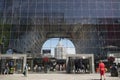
{"type": "Point", "coordinates": [15, 62]}
{"type": "Point", "coordinates": [77, 63]}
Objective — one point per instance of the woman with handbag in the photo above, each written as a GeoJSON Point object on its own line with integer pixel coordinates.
{"type": "Point", "coordinates": [102, 70]}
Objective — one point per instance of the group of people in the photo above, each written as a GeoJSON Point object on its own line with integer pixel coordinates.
{"type": "Point", "coordinates": [80, 66]}
{"type": "Point", "coordinates": [52, 67]}
{"type": "Point", "coordinates": [37, 68]}
{"type": "Point", "coordinates": [101, 66]}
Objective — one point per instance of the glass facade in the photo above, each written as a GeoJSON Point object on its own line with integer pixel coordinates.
{"type": "Point", "coordinates": [26, 24]}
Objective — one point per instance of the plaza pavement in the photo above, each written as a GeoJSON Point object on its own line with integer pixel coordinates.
{"type": "Point", "coordinates": [56, 76]}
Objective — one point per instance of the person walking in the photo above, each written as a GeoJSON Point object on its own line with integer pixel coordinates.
{"type": "Point", "coordinates": [102, 70]}
{"type": "Point", "coordinates": [46, 64]}
{"type": "Point", "coordinates": [35, 68]}
{"type": "Point", "coordinates": [6, 71]}
{"type": "Point", "coordinates": [25, 72]}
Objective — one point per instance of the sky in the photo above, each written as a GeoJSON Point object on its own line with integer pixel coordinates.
{"type": "Point", "coordinates": [52, 43]}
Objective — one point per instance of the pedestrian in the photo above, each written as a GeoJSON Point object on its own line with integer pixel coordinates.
{"type": "Point", "coordinates": [35, 68]}
{"type": "Point", "coordinates": [25, 72]}
{"type": "Point", "coordinates": [46, 64]}
{"type": "Point", "coordinates": [102, 69]}
{"type": "Point", "coordinates": [6, 71]}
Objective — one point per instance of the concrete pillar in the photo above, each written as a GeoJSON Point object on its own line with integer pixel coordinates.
{"type": "Point", "coordinates": [93, 66]}
{"type": "Point", "coordinates": [24, 61]}
{"type": "Point", "coordinates": [91, 61]}
{"type": "Point", "coordinates": [31, 64]}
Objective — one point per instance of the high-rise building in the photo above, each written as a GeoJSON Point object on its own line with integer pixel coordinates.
{"type": "Point", "coordinates": [60, 51]}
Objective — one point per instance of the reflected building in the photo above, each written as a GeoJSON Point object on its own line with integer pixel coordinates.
{"type": "Point", "coordinates": [60, 51]}
{"type": "Point", "coordinates": [89, 24]}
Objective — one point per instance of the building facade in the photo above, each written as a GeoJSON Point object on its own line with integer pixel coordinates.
{"type": "Point", "coordinates": [60, 51]}
{"type": "Point", "coordinates": [90, 24]}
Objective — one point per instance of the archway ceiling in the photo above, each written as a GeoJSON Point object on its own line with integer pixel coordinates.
{"type": "Point", "coordinates": [62, 31]}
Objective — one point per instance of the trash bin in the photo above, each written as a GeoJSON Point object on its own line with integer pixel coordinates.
{"type": "Point", "coordinates": [118, 69]}
{"type": "Point", "coordinates": [114, 71]}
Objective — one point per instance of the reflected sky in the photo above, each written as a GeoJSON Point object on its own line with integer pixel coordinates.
{"type": "Point", "coordinates": [52, 43]}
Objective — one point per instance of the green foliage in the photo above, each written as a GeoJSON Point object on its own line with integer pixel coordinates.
{"type": "Point", "coordinates": [5, 33]}
{"type": "Point", "coordinates": [0, 40]}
